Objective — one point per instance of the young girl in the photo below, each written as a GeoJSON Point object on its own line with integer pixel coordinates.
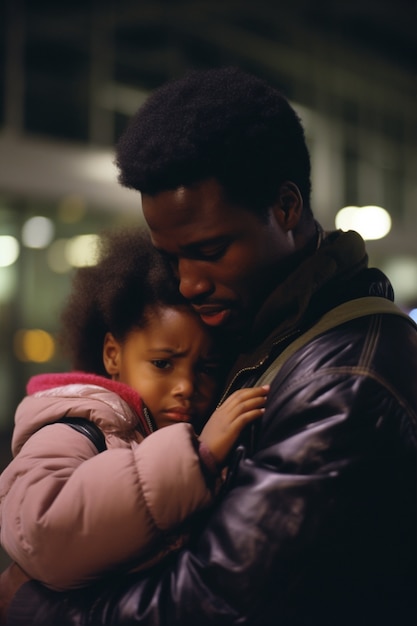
{"type": "Point", "coordinates": [142, 360]}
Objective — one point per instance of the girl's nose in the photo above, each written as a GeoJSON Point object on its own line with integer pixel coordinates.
{"type": "Point", "coordinates": [184, 386]}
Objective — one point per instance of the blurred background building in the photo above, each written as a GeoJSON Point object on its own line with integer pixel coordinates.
{"type": "Point", "coordinates": [71, 74]}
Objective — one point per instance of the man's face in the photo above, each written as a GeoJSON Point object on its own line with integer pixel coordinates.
{"type": "Point", "coordinates": [225, 256]}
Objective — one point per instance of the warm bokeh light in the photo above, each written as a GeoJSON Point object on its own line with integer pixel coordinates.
{"type": "Point", "coordinates": [57, 258]}
{"type": "Point", "coordinates": [34, 345]}
{"type": "Point", "coordinates": [71, 209]}
{"type": "Point", "coordinates": [82, 250]}
{"type": "Point", "coordinates": [38, 232]}
{"type": "Point", "coordinates": [371, 222]}
{"type": "Point", "coordinates": [98, 167]}
{"type": "Point", "coordinates": [9, 250]}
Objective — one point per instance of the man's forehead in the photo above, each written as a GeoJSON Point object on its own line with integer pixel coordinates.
{"type": "Point", "coordinates": [188, 216]}
{"type": "Point", "coordinates": [178, 242]}
{"type": "Point", "coordinates": [179, 202]}
{"type": "Point", "coordinates": [177, 234]}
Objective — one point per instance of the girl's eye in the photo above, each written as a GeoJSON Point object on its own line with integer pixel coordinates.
{"type": "Point", "coordinates": [161, 364]}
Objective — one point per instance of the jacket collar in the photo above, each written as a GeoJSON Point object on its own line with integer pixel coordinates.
{"type": "Point", "coordinates": [296, 301]}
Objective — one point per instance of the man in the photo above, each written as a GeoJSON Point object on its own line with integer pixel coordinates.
{"type": "Point", "coordinates": [316, 523]}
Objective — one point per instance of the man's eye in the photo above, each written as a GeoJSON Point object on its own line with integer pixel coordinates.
{"type": "Point", "coordinates": [161, 364]}
{"type": "Point", "coordinates": [210, 369]}
{"type": "Point", "coordinates": [170, 259]}
{"type": "Point", "coordinates": [213, 254]}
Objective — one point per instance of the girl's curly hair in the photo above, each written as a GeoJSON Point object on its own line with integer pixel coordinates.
{"type": "Point", "coordinates": [114, 296]}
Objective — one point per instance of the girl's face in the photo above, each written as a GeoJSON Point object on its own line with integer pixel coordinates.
{"type": "Point", "coordinates": [170, 363]}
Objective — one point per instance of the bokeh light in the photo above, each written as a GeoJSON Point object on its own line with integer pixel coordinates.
{"type": "Point", "coordinates": [38, 232]}
{"type": "Point", "coordinates": [402, 272]}
{"type": "Point", "coordinates": [8, 283]}
{"type": "Point", "coordinates": [371, 222]}
{"type": "Point", "coordinates": [9, 250]}
{"type": "Point", "coordinates": [71, 209]}
{"type": "Point", "coordinates": [34, 345]}
{"type": "Point", "coordinates": [82, 250]}
{"type": "Point", "coordinates": [57, 257]}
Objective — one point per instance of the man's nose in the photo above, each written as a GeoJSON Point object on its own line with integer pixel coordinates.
{"type": "Point", "coordinates": [193, 281]}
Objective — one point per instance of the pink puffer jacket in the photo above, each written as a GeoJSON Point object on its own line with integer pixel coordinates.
{"type": "Point", "coordinates": [69, 514]}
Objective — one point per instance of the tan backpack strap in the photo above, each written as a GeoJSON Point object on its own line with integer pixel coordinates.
{"type": "Point", "coordinates": [350, 310]}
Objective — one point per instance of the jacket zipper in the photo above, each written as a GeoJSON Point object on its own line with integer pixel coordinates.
{"type": "Point", "coordinates": [148, 419]}
{"type": "Point", "coordinates": [256, 366]}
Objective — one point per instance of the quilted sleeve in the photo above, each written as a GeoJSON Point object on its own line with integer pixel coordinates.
{"type": "Point", "coordinates": [69, 514]}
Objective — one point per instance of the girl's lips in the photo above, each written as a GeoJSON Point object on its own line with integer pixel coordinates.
{"type": "Point", "coordinates": [178, 415]}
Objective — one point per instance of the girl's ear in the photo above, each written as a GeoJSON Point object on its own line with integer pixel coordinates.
{"type": "Point", "coordinates": [289, 206]}
{"type": "Point", "coordinates": [111, 355]}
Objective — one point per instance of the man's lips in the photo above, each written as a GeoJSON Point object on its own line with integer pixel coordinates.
{"type": "Point", "coordinates": [213, 315]}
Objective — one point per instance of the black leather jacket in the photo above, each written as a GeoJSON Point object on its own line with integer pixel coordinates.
{"type": "Point", "coordinates": [316, 525]}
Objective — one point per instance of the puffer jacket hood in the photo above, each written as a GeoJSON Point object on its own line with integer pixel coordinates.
{"type": "Point", "coordinates": [114, 407]}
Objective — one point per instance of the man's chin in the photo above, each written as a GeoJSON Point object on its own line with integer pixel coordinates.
{"type": "Point", "coordinates": [232, 330]}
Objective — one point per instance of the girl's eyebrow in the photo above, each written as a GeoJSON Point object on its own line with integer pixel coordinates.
{"type": "Point", "coordinates": [161, 349]}
{"type": "Point", "coordinates": [168, 351]}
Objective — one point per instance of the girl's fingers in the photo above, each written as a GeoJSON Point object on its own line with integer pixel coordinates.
{"type": "Point", "coordinates": [244, 395]}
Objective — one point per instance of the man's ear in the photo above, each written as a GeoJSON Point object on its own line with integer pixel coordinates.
{"type": "Point", "coordinates": [111, 355]}
{"type": "Point", "coordinates": [289, 206]}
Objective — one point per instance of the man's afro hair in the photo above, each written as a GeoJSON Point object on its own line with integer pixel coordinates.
{"type": "Point", "coordinates": [221, 123]}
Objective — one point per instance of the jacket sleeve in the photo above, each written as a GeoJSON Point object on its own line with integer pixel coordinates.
{"type": "Point", "coordinates": [292, 495]}
{"type": "Point", "coordinates": [69, 514]}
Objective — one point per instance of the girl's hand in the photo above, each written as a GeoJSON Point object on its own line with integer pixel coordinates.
{"type": "Point", "coordinates": [227, 422]}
